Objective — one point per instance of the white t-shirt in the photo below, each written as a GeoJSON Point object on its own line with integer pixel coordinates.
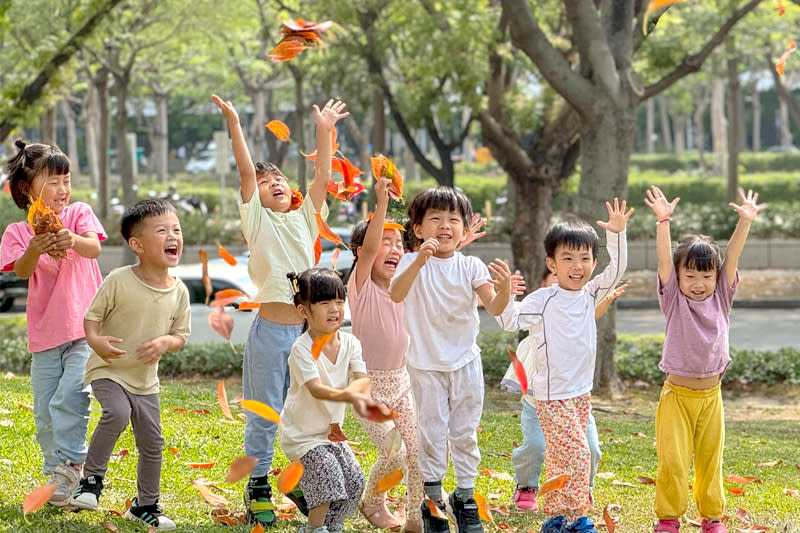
{"type": "Point", "coordinates": [441, 311]}
{"type": "Point", "coordinates": [305, 420]}
{"type": "Point", "coordinates": [564, 321]}
{"type": "Point", "coordinates": [279, 243]}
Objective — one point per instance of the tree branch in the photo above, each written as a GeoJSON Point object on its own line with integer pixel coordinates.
{"type": "Point", "coordinates": [531, 40]}
{"type": "Point", "coordinates": [692, 63]}
{"type": "Point", "coordinates": [592, 43]}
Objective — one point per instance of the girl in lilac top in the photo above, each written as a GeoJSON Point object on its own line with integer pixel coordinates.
{"type": "Point", "coordinates": [695, 292]}
{"type": "Point", "coordinates": [63, 277]}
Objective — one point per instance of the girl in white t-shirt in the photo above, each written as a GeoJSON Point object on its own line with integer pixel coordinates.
{"type": "Point", "coordinates": [332, 479]}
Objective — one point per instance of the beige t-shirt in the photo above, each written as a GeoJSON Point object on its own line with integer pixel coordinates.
{"type": "Point", "coordinates": [279, 243]}
{"type": "Point", "coordinates": [305, 420]}
{"type": "Point", "coordinates": [133, 311]}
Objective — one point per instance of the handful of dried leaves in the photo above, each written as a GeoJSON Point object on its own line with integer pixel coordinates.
{"type": "Point", "coordinates": [42, 219]}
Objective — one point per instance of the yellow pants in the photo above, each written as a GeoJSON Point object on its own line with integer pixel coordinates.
{"type": "Point", "coordinates": [689, 422]}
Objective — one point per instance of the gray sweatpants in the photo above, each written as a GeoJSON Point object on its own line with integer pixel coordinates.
{"type": "Point", "coordinates": [144, 413]}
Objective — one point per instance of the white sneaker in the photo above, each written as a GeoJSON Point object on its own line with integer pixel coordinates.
{"type": "Point", "coordinates": [66, 478]}
{"type": "Point", "coordinates": [149, 515]}
{"type": "Point", "coordinates": [87, 495]}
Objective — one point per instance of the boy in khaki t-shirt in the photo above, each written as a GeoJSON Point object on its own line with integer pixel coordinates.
{"type": "Point", "coordinates": [139, 313]}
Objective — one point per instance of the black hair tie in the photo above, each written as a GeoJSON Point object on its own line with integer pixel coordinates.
{"type": "Point", "coordinates": [19, 143]}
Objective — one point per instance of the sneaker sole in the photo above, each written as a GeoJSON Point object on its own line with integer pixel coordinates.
{"type": "Point", "coordinates": [130, 516]}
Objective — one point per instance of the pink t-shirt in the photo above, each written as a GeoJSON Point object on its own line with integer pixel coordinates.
{"type": "Point", "coordinates": [378, 324]}
{"type": "Point", "coordinates": [696, 333]}
{"type": "Point", "coordinates": [59, 291]}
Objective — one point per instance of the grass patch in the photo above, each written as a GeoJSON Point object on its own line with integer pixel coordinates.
{"type": "Point", "coordinates": [759, 430]}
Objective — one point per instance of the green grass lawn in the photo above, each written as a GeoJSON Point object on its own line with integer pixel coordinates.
{"type": "Point", "coordinates": [760, 430]}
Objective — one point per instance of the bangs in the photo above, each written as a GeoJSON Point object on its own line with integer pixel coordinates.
{"type": "Point", "coordinates": [573, 234]}
{"type": "Point", "coordinates": [324, 285]}
{"type": "Point", "coordinates": [52, 164]}
{"type": "Point", "coordinates": [443, 198]}
{"type": "Point", "coordinates": [698, 253]}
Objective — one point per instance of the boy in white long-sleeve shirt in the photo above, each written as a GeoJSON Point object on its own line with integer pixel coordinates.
{"type": "Point", "coordinates": [563, 317]}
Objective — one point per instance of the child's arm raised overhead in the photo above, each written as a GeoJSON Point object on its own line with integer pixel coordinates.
{"type": "Point", "coordinates": [247, 171]}
{"type": "Point", "coordinates": [403, 281]}
{"type": "Point", "coordinates": [663, 209]}
{"type": "Point", "coordinates": [747, 213]}
{"type": "Point", "coordinates": [326, 119]}
{"type": "Point", "coordinates": [372, 239]}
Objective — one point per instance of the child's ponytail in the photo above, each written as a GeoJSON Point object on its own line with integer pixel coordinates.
{"type": "Point", "coordinates": [316, 285]}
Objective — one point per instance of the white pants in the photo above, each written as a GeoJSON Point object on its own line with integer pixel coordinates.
{"type": "Point", "coordinates": [449, 407]}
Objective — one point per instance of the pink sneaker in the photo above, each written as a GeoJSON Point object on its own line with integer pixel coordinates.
{"type": "Point", "coordinates": [524, 498]}
{"type": "Point", "coordinates": [668, 526]}
{"type": "Point", "coordinates": [714, 526]}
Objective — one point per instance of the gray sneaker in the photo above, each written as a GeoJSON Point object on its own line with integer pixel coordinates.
{"type": "Point", "coordinates": [66, 478]}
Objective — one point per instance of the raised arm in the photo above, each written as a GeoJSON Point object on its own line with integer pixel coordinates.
{"type": "Point", "coordinates": [372, 239]}
{"type": "Point", "coordinates": [403, 281]}
{"type": "Point", "coordinates": [325, 119]}
{"type": "Point", "coordinates": [663, 210]}
{"type": "Point", "coordinates": [496, 301]}
{"type": "Point", "coordinates": [747, 213]}
{"type": "Point", "coordinates": [247, 171]}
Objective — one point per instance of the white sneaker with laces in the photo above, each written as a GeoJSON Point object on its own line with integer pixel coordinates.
{"type": "Point", "coordinates": [66, 478]}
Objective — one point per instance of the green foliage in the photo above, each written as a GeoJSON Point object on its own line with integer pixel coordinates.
{"type": "Point", "coordinates": [750, 162]}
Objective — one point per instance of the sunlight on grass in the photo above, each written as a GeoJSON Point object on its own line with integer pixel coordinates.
{"type": "Point", "coordinates": [626, 434]}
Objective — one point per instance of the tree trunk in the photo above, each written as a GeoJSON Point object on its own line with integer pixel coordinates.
{"type": "Point", "coordinates": [258, 132]}
{"type": "Point", "coordinates": [160, 136]}
{"type": "Point", "coordinates": [756, 99]}
{"type": "Point", "coordinates": [786, 131]}
{"type": "Point", "coordinates": [124, 156]}
{"type": "Point", "coordinates": [734, 123]}
{"type": "Point", "coordinates": [72, 139]}
{"type": "Point", "coordinates": [666, 131]}
{"type": "Point", "coordinates": [649, 106]}
{"type": "Point", "coordinates": [680, 120]}
{"type": "Point", "coordinates": [701, 102]}
{"type": "Point", "coordinates": [104, 144]}
{"type": "Point", "coordinates": [719, 126]}
{"type": "Point", "coordinates": [47, 133]}
{"type": "Point", "coordinates": [299, 127]}
{"type": "Point", "coordinates": [378, 123]}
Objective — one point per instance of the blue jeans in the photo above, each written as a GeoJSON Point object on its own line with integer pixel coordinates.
{"type": "Point", "coordinates": [61, 402]}
{"type": "Point", "coordinates": [527, 459]}
{"type": "Point", "coordinates": [265, 377]}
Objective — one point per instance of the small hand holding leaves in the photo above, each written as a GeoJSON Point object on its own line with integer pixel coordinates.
{"type": "Point", "coordinates": [662, 207]}
{"type": "Point", "coordinates": [749, 208]}
{"type": "Point", "coordinates": [617, 217]}
{"type": "Point", "coordinates": [330, 114]}
{"type": "Point", "coordinates": [382, 190]}
{"type": "Point", "coordinates": [472, 234]}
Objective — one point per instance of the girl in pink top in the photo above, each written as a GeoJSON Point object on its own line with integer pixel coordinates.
{"type": "Point", "coordinates": [695, 292]}
{"type": "Point", "coordinates": [63, 276]}
{"type": "Point", "coordinates": [378, 324]}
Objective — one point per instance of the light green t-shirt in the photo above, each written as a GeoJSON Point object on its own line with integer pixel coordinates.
{"type": "Point", "coordinates": [135, 312]}
{"type": "Point", "coordinates": [279, 243]}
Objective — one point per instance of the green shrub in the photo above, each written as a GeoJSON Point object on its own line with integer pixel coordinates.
{"type": "Point", "coordinates": [749, 161]}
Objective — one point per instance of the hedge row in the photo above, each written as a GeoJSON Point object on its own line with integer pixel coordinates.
{"type": "Point", "coordinates": [636, 358]}
{"type": "Point", "coordinates": [748, 162]}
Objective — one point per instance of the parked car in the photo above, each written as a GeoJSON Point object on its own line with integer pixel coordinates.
{"type": "Point", "coordinates": [11, 287]}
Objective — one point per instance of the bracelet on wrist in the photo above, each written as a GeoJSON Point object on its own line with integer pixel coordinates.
{"type": "Point", "coordinates": [667, 219]}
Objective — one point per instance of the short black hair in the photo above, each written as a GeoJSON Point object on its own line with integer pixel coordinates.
{"type": "Point", "coordinates": [442, 197]}
{"type": "Point", "coordinates": [410, 240]}
{"type": "Point", "coordinates": [699, 252]}
{"type": "Point", "coordinates": [30, 161]}
{"type": "Point", "coordinates": [316, 285]}
{"type": "Point", "coordinates": [357, 237]}
{"type": "Point", "coordinates": [135, 214]}
{"type": "Point", "coordinates": [573, 233]}
{"type": "Point", "coordinates": [267, 167]}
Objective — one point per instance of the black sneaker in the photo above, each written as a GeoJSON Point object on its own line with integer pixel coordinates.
{"type": "Point", "coordinates": [431, 523]}
{"type": "Point", "coordinates": [258, 501]}
{"type": "Point", "coordinates": [465, 513]}
{"type": "Point", "coordinates": [87, 495]}
{"type": "Point", "coordinates": [149, 515]}
{"type": "Point", "coordinates": [299, 499]}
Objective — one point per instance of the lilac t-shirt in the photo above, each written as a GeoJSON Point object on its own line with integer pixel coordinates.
{"type": "Point", "coordinates": [59, 291]}
{"type": "Point", "coordinates": [378, 325]}
{"type": "Point", "coordinates": [696, 333]}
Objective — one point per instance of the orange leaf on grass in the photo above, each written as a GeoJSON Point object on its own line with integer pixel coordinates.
{"type": "Point", "coordinates": [782, 61]}
{"type": "Point", "coordinates": [174, 451]}
{"type": "Point", "coordinates": [388, 481]}
{"type": "Point", "coordinates": [792, 492]}
{"type": "Point", "coordinates": [37, 498]}
{"type": "Point", "coordinates": [742, 480]}
{"type": "Point", "coordinates": [206, 279]}
{"type": "Point", "coordinates": [214, 499]}
{"type": "Point", "coordinates": [736, 490]}
{"type": "Point", "coordinates": [240, 468]}
{"type": "Point", "coordinates": [261, 409]}
{"type": "Point", "coordinates": [320, 343]}
{"type": "Point", "coordinates": [610, 521]}
{"type": "Point", "coordinates": [519, 370]}
{"type": "Point", "coordinates": [483, 507]}
{"type": "Point", "coordinates": [335, 257]}
{"type": "Point", "coordinates": [226, 297]}
{"type": "Point", "coordinates": [201, 465]}
{"type": "Point", "coordinates": [222, 399]}
{"type": "Point", "coordinates": [644, 480]}
{"type": "Point", "coordinates": [279, 129]}
{"type": "Point", "coordinates": [290, 476]}
{"type": "Point", "coordinates": [108, 526]}
{"type": "Point", "coordinates": [258, 528]}
{"type": "Point", "coordinates": [554, 483]}
{"type": "Point", "coordinates": [771, 463]}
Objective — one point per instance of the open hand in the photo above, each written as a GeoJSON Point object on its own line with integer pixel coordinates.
{"type": "Point", "coordinates": [330, 114]}
{"type": "Point", "coordinates": [501, 275]}
{"type": "Point", "coordinates": [662, 207]}
{"type": "Point", "coordinates": [617, 217]}
{"type": "Point", "coordinates": [749, 208]}
{"type": "Point", "coordinates": [472, 234]}
{"type": "Point", "coordinates": [228, 111]}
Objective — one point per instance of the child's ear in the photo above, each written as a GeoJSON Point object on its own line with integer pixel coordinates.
{"type": "Point", "coordinates": [551, 265]}
{"type": "Point", "coordinates": [302, 311]}
{"type": "Point", "coordinates": [135, 245]}
{"type": "Point", "coordinates": [418, 231]}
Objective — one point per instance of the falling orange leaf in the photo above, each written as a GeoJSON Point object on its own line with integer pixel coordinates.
{"type": "Point", "coordinates": [320, 343]}
{"type": "Point", "coordinates": [554, 483]}
{"type": "Point", "coordinates": [781, 9]}
{"type": "Point", "coordinates": [342, 191]}
{"type": "Point", "coordinates": [519, 370]}
{"type": "Point", "coordinates": [326, 232]}
{"type": "Point", "coordinates": [226, 255]}
{"type": "Point", "coordinates": [610, 521]}
{"type": "Point", "coordinates": [201, 465]}
{"type": "Point", "coordinates": [655, 5]}
{"type": "Point", "coordinates": [297, 200]}
{"type": "Point", "coordinates": [290, 476]}
{"type": "Point", "coordinates": [388, 481]}
{"type": "Point", "coordinates": [743, 515]}
{"type": "Point", "coordinates": [222, 323]}
{"type": "Point", "coordinates": [483, 507]}
{"type": "Point", "coordinates": [334, 258]}
{"type": "Point", "coordinates": [37, 498]}
{"type": "Point", "coordinates": [336, 434]}
{"type": "Point", "coordinates": [279, 129]}
{"type": "Point", "coordinates": [286, 50]}
{"type": "Point", "coordinates": [382, 167]}
{"type": "Point", "coordinates": [261, 409]}
{"type": "Point", "coordinates": [782, 61]}
{"type": "Point", "coordinates": [317, 249]}
{"type": "Point", "coordinates": [240, 468]}
{"type": "Point", "coordinates": [434, 509]}
{"type": "Point", "coordinates": [206, 279]}
{"type": "Point", "coordinates": [380, 413]}
{"type": "Point", "coordinates": [214, 499]}
{"type": "Point", "coordinates": [248, 306]}
{"type": "Point", "coordinates": [297, 35]}
{"type": "Point", "coordinates": [222, 399]}
{"type": "Point", "coordinates": [392, 443]}
{"type": "Point", "coordinates": [226, 297]}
